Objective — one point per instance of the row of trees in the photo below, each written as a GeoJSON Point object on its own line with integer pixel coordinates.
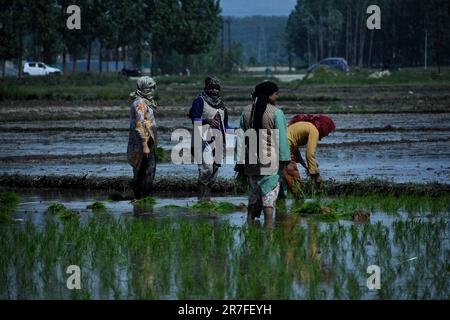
{"type": "Point", "coordinates": [131, 29]}
{"type": "Point", "coordinates": [317, 29]}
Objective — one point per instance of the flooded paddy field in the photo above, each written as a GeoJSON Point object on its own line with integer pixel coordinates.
{"type": "Point", "coordinates": [398, 147]}
{"type": "Point", "coordinates": [385, 203]}
{"type": "Point", "coordinates": [171, 249]}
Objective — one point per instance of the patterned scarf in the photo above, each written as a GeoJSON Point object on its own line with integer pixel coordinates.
{"type": "Point", "coordinates": [213, 100]}
{"type": "Point", "coordinates": [145, 91]}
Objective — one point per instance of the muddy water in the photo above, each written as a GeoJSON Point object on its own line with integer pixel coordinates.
{"type": "Point", "coordinates": [297, 259]}
{"type": "Point", "coordinates": [412, 154]}
{"type": "Point", "coordinates": [74, 143]}
{"type": "Point", "coordinates": [412, 162]}
{"type": "Point", "coordinates": [343, 121]}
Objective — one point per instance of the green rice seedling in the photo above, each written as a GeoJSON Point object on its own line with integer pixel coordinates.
{"type": "Point", "coordinates": [133, 258]}
{"type": "Point", "coordinates": [8, 204]}
{"type": "Point", "coordinates": [55, 208]}
{"type": "Point", "coordinates": [97, 207]}
{"type": "Point", "coordinates": [225, 207]}
{"type": "Point", "coordinates": [9, 200]}
{"type": "Point", "coordinates": [148, 201]}
{"type": "Point", "coordinates": [62, 212]}
{"type": "Point", "coordinates": [160, 155]}
{"type": "Point", "coordinates": [5, 218]}
{"type": "Point", "coordinates": [390, 204]}
{"type": "Point", "coordinates": [214, 207]}
{"type": "Point", "coordinates": [309, 207]}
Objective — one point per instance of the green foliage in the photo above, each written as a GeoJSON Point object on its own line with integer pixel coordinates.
{"type": "Point", "coordinates": [317, 29]}
{"type": "Point", "coordinates": [197, 28]}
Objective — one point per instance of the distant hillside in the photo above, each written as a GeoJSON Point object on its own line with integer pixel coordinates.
{"type": "Point", "coordinates": [262, 38]}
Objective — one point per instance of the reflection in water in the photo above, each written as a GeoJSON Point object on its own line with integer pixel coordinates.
{"type": "Point", "coordinates": [155, 257]}
{"type": "Point", "coordinates": [145, 211]}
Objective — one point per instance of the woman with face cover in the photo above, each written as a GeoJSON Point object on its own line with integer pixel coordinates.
{"type": "Point", "coordinates": [142, 139]}
{"type": "Point", "coordinates": [210, 118]}
{"type": "Point", "coordinates": [264, 176]}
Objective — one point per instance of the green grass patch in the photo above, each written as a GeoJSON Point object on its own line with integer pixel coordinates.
{"type": "Point", "coordinates": [285, 97]}
{"type": "Point", "coordinates": [86, 87]}
{"type": "Point", "coordinates": [327, 76]}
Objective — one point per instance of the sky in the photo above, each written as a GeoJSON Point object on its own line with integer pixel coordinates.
{"type": "Point", "coordinates": [243, 8]}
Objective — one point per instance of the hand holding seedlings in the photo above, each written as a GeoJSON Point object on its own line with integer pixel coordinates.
{"type": "Point", "coordinates": [318, 181]}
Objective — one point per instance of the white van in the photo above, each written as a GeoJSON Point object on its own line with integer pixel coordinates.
{"type": "Point", "coordinates": [39, 69]}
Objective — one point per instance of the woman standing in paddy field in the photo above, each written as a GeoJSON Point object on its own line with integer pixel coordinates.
{"type": "Point", "coordinates": [264, 179]}
{"type": "Point", "coordinates": [142, 139]}
{"type": "Point", "coordinates": [210, 112]}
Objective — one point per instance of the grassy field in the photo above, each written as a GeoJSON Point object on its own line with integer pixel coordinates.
{"type": "Point", "coordinates": [175, 89]}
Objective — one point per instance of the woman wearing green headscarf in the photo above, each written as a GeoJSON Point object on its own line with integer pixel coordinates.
{"type": "Point", "coordinates": [142, 140]}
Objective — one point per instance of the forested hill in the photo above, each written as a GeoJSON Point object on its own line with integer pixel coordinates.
{"type": "Point", "coordinates": [262, 38]}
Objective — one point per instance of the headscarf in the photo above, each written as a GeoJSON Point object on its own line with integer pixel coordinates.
{"type": "Point", "coordinates": [213, 100]}
{"type": "Point", "coordinates": [143, 84]}
{"type": "Point", "coordinates": [260, 100]}
{"type": "Point", "coordinates": [324, 124]}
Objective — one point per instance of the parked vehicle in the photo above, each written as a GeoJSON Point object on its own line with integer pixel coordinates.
{"type": "Point", "coordinates": [337, 63]}
{"type": "Point", "coordinates": [39, 69]}
{"type": "Point", "coordinates": [131, 72]}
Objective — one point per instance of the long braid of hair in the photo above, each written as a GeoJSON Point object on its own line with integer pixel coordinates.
{"type": "Point", "coordinates": [259, 107]}
{"type": "Point", "coordinates": [261, 98]}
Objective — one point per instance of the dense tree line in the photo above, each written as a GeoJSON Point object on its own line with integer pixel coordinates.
{"type": "Point", "coordinates": [262, 39]}
{"type": "Point", "coordinates": [130, 29]}
{"type": "Point", "coordinates": [318, 29]}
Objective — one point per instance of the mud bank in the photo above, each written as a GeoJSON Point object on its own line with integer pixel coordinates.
{"type": "Point", "coordinates": [188, 186]}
